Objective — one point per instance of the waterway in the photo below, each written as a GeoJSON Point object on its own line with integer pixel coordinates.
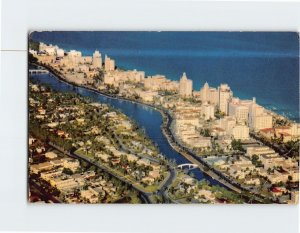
{"type": "Point", "coordinates": [146, 117]}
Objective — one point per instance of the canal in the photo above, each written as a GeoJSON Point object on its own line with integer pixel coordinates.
{"type": "Point", "coordinates": [146, 117]}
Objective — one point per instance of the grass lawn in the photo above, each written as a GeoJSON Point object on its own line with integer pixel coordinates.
{"type": "Point", "coordinates": [134, 199]}
{"type": "Point", "coordinates": [149, 188]}
{"type": "Point", "coordinates": [83, 153]}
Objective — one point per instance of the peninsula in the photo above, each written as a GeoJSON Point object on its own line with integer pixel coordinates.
{"type": "Point", "coordinates": [247, 148]}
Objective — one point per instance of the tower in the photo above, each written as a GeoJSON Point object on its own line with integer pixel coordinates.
{"type": "Point", "coordinates": [225, 95]}
{"type": "Point", "coordinates": [97, 60]}
{"type": "Point", "coordinates": [185, 86]}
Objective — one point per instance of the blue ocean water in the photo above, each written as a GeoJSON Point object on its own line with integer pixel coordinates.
{"type": "Point", "coordinates": [260, 64]}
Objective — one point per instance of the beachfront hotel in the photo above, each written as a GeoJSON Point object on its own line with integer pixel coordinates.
{"type": "Point", "coordinates": [209, 94]}
{"type": "Point", "coordinates": [160, 82]}
{"type": "Point", "coordinates": [97, 60]}
{"type": "Point", "coordinates": [258, 117]}
{"type": "Point", "coordinates": [185, 86]}
{"type": "Point", "coordinates": [109, 64]}
{"type": "Point", "coordinates": [225, 95]}
{"type": "Point", "coordinates": [239, 109]}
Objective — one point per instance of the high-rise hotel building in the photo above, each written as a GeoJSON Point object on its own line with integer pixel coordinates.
{"type": "Point", "coordinates": [109, 64]}
{"type": "Point", "coordinates": [258, 117]}
{"type": "Point", "coordinates": [97, 60]}
{"type": "Point", "coordinates": [225, 95]}
{"type": "Point", "coordinates": [239, 109]}
{"type": "Point", "coordinates": [185, 86]}
{"type": "Point", "coordinates": [209, 94]}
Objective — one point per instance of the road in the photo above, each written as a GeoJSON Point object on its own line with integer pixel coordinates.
{"type": "Point", "coordinates": [203, 165]}
{"type": "Point", "coordinates": [129, 150]}
{"type": "Point", "coordinates": [206, 168]}
{"type": "Point", "coordinates": [146, 196]}
{"type": "Point", "coordinates": [43, 192]}
{"type": "Point", "coordinates": [163, 189]}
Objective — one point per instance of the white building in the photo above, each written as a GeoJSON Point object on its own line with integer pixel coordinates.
{"type": "Point", "coordinates": [258, 117]}
{"type": "Point", "coordinates": [48, 49]}
{"type": "Point", "coordinates": [60, 52]}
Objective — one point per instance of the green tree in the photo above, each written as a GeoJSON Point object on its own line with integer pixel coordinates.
{"type": "Point", "coordinates": [67, 171]}
{"type": "Point", "coordinates": [237, 145]}
{"type": "Point", "coordinates": [34, 45]}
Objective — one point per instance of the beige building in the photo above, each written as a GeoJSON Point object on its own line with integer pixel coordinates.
{"type": "Point", "coordinates": [204, 93]}
{"type": "Point", "coordinates": [160, 82]}
{"type": "Point", "coordinates": [60, 52]}
{"type": "Point", "coordinates": [74, 57]}
{"type": "Point", "coordinates": [240, 132]}
{"type": "Point", "coordinates": [261, 122]}
{"type": "Point", "coordinates": [48, 49]}
{"type": "Point", "coordinates": [239, 109]}
{"type": "Point", "coordinates": [259, 118]}
{"type": "Point", "coordinates": [185, 86]}
{"type": "Point", "coordinates": [227, 123]}
{"type": "Point", "coordinates": [86, 60]}
{"type": "Point", "coordinates": [147, 96]}
{"type": "Point", "coordinates": [208, 111]}
{"type": "Point", "coordinates": [209, 94]}
{"type": "Point", "coordinates": [271, 160]}
{"type": "Point", "coordinates": [118, 77]}
{"type": "Point", "coordinates": [259, 150]}
{"type": "Point", "coordinates": [109, 64]}
{"type": "Point", "coordinates": [97, 60]}
{"type": "Point", "coordinates": [225, 95]}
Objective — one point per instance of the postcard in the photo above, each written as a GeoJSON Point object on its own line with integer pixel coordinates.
{"type": "Point", "coordinates": [163, 117]}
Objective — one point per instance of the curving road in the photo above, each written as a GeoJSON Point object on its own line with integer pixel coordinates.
{"type": "Point", "coordinates": [146, 196]}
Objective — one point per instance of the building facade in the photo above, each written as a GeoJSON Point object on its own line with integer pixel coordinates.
{"type": "Point", "coordinates": [225, 95]}
{"type": "Point", "coordinates": [97, 60]}
{"type": "Point", "coordinates": [185, 86]}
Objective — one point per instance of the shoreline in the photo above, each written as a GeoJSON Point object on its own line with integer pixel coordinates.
{"type": "Point", "coordinates": [166, 121]}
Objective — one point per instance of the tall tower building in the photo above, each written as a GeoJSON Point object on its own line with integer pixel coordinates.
{"type": "Point", "coordinates": [112, 64]}
{"type": "Point", "coordinates": [209, 94]}
{"type": "Point", "coordinates": [225, 95]}
{"type": "Point", "coordinates": [97, 59]}
{"type": "Point", "coordinates": [204, 93]}
{"type": "Point", "coordinates": [258, 117]}
{"type": "Point", "coordinates": [239, 109]}
{"type": "Point", "coordinates": [109, 64]}
{"type": "Point", "coordinates": [185, 86]}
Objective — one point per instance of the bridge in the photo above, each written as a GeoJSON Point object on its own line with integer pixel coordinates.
{"type": "Point", "coordinates": [38, 71]}
{"type": "Point", "coordinates": [190, 166]}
